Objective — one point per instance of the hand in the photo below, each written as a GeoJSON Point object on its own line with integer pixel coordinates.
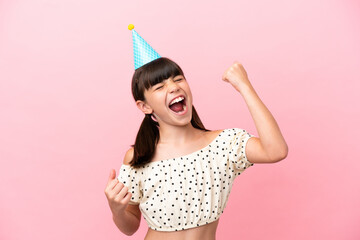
{"type": "Point", "coordinates": [117, 194]}
{"type": "Point", "coordinates": [236, 76]}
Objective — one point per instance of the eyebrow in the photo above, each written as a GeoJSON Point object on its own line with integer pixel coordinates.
{"type": "Point", "coordinates": [181, 76]}
{"type": "Point", "coordinates": [154, 86]}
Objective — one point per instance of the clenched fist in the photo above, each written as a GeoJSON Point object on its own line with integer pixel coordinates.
{"type": "Point", "coordinates": [236, 76]}
{"type": "Point", "coordinates": [117, 194]}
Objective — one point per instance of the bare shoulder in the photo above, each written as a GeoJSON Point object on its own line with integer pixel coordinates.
{"type": "Point", "coordinates": [211, 135]}
{"type": "Point", "coordinates": [214, 133]}
{"type": "Point", "coordinates": [128, 156]}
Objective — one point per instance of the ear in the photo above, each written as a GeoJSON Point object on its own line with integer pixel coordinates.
{"type": "Point", "coordinates": [144, 107]}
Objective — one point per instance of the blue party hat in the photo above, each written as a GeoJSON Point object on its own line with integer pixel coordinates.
{"type": "Point", "coordinates": [143, 52]}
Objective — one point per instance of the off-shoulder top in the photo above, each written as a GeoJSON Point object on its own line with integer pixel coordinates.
{"type": "Point", "coordinates": [191, 190]}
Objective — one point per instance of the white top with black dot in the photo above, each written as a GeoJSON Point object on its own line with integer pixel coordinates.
{"type": "Point", "coordinates": [192, 190]}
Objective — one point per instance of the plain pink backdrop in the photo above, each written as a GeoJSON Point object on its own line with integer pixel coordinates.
{"type": "Point", "coordinates": [67, 115]}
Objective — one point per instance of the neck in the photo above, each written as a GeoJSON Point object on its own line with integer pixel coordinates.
{"type": "Point", "coordinates": [177, 134]}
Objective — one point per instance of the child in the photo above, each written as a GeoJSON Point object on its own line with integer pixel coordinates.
{"type": "Point", "coordinates": [178, 174]}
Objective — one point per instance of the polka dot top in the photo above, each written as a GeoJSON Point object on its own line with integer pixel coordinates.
{"type": "Point", "coordinates": [191, 190]}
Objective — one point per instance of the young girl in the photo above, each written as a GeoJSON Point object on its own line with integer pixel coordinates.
{"type": "Point", "coordinates": [178, 174]}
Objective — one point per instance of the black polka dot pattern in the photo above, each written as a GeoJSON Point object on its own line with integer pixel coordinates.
{"type": "Point", "coordinates": [192, 190]}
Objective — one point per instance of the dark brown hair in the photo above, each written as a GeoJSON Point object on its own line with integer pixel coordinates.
{"type": "Point", "coordinates": [144, 78]}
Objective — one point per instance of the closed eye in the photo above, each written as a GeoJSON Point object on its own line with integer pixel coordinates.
{"type": "Point", "coordinates": [161, 86]}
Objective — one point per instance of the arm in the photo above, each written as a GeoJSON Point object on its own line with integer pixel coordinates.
{"type": "Point", "coordinates": [270, 147]}
{"type": "Point", "coordinates": [125, 216]}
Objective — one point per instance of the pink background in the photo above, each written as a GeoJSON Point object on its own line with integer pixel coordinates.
{"type": "Point", "coordinates": [67, 115]}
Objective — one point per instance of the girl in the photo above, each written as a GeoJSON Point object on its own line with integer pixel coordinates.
{"type": "Point", "coordinates": [178, 174]}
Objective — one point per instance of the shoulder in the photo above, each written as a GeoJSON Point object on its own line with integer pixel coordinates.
{"type": "Point", "coordinates": [230, 134]}
{"type": "Point", "coordinates": [213, 134]}
{"type": "Point", "coordinates": [128, 156]}
{"type": "Point", "coordinates": [236, 131]}
{"type": "Point", "coordinates": [220, 131]}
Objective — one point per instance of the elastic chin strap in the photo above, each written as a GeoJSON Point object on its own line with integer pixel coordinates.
{"type": "Point", "coordinates": [154, 117]}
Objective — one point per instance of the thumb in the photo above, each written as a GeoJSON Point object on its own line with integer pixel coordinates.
{"type": "Point", "coordinates": [112, 175]}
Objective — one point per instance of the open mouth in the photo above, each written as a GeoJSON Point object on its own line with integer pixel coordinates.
{"type": "Point", "coordinates": [178, 105]}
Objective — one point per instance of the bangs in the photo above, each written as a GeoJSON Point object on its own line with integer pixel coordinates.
{"type": "Point", "coordinates": [158, 70]}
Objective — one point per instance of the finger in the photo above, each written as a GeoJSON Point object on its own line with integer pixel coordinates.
{"type": "Point", "coordinates": [116, 188]}
{"type": "Point", "coordinates": [121, 194]}
{"type": "Point", "coordinates": [127, 198]}
{"type": "Point", "coordinates": [112, 184]}
{"type": "Point", "coordinates": [224, 76]}
{"type": "Point", "coordinates": [112, 175]}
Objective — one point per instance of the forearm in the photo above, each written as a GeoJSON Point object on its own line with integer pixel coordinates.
{"type": "Point", "coordinates": [127, 223]}
{"type": "Point", "coordinates": [269, 132]}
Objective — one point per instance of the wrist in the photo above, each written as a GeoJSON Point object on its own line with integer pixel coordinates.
{"type": "Point", "coordinates": [243, 89]}
{"type": "Point", "coordinates": [118, 214]}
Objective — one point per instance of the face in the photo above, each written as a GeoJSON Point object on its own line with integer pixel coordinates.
{"type": "Point", "coordinates": [159, 100]}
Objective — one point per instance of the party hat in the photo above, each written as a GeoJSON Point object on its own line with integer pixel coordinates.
{"type": "Point", "coordinates": [143, 52]}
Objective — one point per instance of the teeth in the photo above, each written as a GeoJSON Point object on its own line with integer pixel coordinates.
{"type": "Point", "coordinates": [184, 109]}
{"type": "Point", "coordinates": [178, 99]}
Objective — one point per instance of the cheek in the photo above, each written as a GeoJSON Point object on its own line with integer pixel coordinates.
{"type": "Point", "coordinates": [186, 87]}
{"type": "Point", "coordinates": [157, 101]}
{"type": "Point", "coordinates": [189, 94]}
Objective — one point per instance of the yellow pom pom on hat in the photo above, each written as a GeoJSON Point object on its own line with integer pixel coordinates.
{"type": "Point", "coordinates": [143, 52]}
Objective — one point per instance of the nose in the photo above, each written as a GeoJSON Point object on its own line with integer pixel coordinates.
{"type": "Point", "coordinates": [173, 87]}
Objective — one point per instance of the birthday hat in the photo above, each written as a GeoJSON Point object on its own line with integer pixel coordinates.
{"type": "Point", "coordinates": [143, 52]}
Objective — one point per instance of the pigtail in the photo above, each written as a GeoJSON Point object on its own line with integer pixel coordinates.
{"type": "Point", "coordinates": [145, 143]}
{"type": "Point", "coordinates": [195, 120]}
